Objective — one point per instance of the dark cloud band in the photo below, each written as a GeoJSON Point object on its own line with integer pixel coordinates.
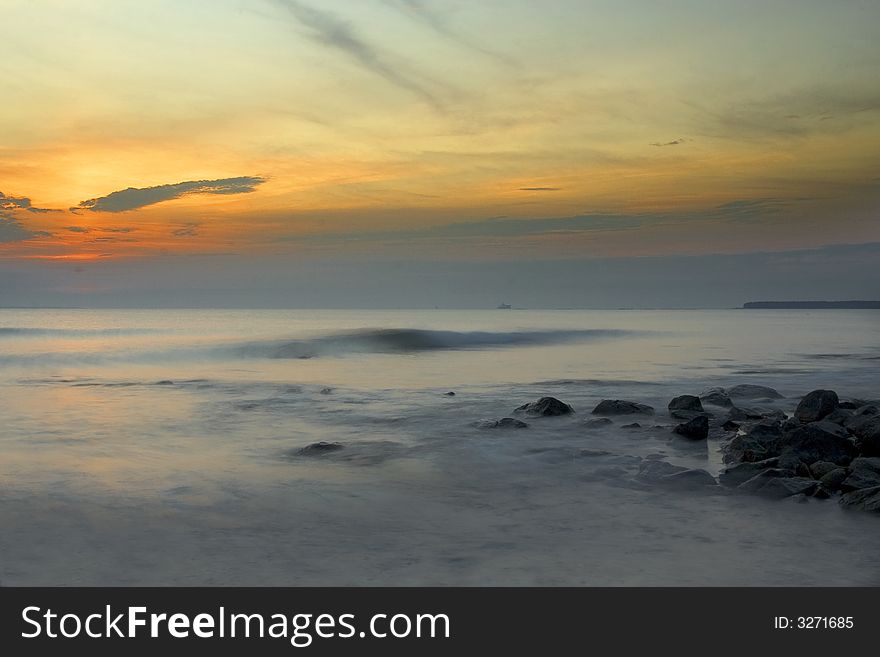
{"type": "Point", "coordinates": [134, 198]}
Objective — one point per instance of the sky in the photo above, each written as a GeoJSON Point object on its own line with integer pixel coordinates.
{"type": "Point", "coordinates": [412, 153]}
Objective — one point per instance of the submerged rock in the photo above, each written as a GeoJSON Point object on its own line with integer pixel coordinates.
{"type": "Point", "coordinates": [597, 423]}
{"type": "Point", "coordinates": [695, 429]}
{"type": "Point", "coordinates": [716, 397]}
{"type": "Point", "coordinates": [503, 423]}
{"type": "Point", "coordinates": [776, 483]}
{"type": "Point", "coordinates": [621, 407]}
{"type": "Point", "coordinates": [816, 405]}
{"type": "Point", "coordinates": [545, 406]}
{"type": "Point", "coordinates": [738, 414]}
{"type": "Point", "coordinates": [819, 441]}
{"type": "Point", "coordinates": [742, 472]}
{"type": "Point", "coordinates": [730, 425]}
{"type": "Point", "coordinates": [690, 479]}
{"type": "Point", "coordinates": [685, 403]}
{"type": "Point", "coordinates": [750, 391]}
{"type": "Point", "coordinates": [449, 394]}
{"type": "Point", "coordinates": [319, 448]}
{"type": "Point", "coordinates": [650, 470]}
{"type": "Point", "coordinates": [866, 499]}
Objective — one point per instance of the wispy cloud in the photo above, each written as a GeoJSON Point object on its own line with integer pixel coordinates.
{"type": "Point", "coordinates": [748, 210]}
{"type": "Point", "coordinates": [739, 210]}
{"type": "Point", "coordinates": [539, 189]}
{"type": "Point", "coordinates": [428, 15]}
{"type": "Point", "coordinates": [134, 198]}
{"type": "Point", "coordinates": [328, 29]}
{"type": "Point", "coordinates": [674, 142]}
{"type": "Point", "coordinates": [187, 230]}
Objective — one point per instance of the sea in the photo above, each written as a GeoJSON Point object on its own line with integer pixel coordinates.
{"type": "Point", "coordinates": [165, 447]}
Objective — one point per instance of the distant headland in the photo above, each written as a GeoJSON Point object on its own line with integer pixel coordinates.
{"type": "Point", "coordinates": [801, 305]}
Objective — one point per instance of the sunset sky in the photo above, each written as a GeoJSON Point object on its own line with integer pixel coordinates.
{"type": "Point", "coordinates": [209, 136]}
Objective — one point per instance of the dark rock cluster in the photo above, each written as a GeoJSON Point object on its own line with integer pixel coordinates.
{"type": "Point", "coordinates": [827, 449]}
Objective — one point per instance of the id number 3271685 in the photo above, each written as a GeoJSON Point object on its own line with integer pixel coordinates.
{"type": "Point", "coordinates": [813, 622]}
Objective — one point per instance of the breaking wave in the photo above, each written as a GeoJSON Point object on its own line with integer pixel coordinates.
{"type": "Point", "coordinates": [404, 341]}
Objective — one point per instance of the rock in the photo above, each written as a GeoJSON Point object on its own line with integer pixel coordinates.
{"type": "Point", "coordinates": [777, 484]}
{"type": "Point", "coordinates": [831, 481]}
{"type": "Point", "coordinates": [868, 437]}
{"type": "Point", "coordinates": [326, 391]}
{"type": "Point", "coordinates": [864, 472]}
{"type": "Point", "coordinates": [821, 468]}
{"type": "Point", "coordinates": [685, 403]}
{"type": "Point", "coordinates": [790, 461]}
{"type": "Point", "coordinates": [742, 472]}
{"type": "Point", "coordinates": [597, 423]}
{"type": "Point", "coordinates": [166, 382]}
{"type": "Point", "coordinates": [821, 493]}
{"type": "Point", "coordinates": [861, 417]}
{"type": "Point", "coordinates": [730, 425]}
{"type": "Point", "coordinates": [866, 499]}
{"type": "Point", "coordinates": [695, 429]}
{"type": "Point", "coordinates": [819, 441]}
{"type": "Point", "coordinates": [621, 407]}
{"type": "Point", "coordinates": [503, 423]}
{"type": "Point", "coordinates": [816, 405]}
{"type": "Point", "coordinates": [749, 391]}
{"type": "Point", "coordinates": [790, 424]}
{"type": "Point", "coordinates": [839, 416]}
{"type": "Point", "coordinates": [449, 394]}
{"type": "Point", "coordinates": [716, 397]}
{"type": "Point", "coordinates": [782, 487]}
{"type": "Point", "coordinates": [851, 404]}
{"type": "Point", "coordinates": [633, 425]}
{"type": "Point", "coordinates": [545, 406]}
{"type": "Point", "coordinates": [692, 479]}
{"type": "Point", "coordinates": [316, 449]}
{"type": "Point", "coordinates": [761, 442]}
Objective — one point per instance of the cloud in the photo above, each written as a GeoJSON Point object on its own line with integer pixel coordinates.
{"type": "Point", "coordinates": [539, 189]}
{"type": "Point", "coordinates": [420, 11]}
{"type": "Point", "coordinates": [134, 198]}
{"type": "Point", "coordinates": [748, 210]}
{"type": "Point", "coordinates": [329, 30]}
{"type": "Point", "coordinates": [11, 230]}
{"type": "Point", "coordinates": [77, 229]}
{"type": "Point", "coordinates": [187, 230]}
{"type": "Point", "coordinates": [795, 113]}
{"type": "Point", "coordinates": [739, 210]}
{"type": "Point", "coordinates": [20, 203]}
{"type": "Point", "coordinates": [674, 142]}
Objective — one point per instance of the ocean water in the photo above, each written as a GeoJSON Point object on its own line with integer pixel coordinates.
{"type": "Point", "coordinates": [161, 447]}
